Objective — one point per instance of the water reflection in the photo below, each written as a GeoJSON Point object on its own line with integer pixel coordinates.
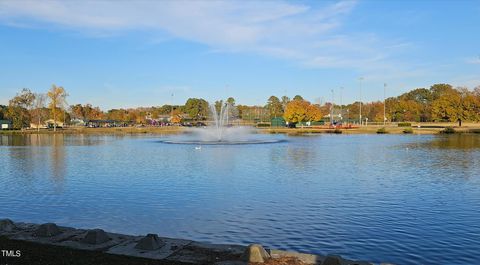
{"type": "Point", "coordinates": [455, 141]}
{"type": "Point", "coordinates": [299, 154]}
{"type": "Point", "coordinates": [406, 199]}
{"type": "Point", "coordinates": [58, 157]}
{"type": "Point", "coordinates": [53, 139]}
{"type": "Point", "coordinates": [456, 155]}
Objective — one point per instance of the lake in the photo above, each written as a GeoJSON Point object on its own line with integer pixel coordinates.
{"type": "Point", "coordinates": [405, 199]}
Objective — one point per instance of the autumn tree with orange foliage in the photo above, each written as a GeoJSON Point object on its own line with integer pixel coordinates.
{"type": "Point", "coordinates": [57, 95]}
{"type": "Point", "coordinates": [314, 113]}
{"type": "Point", "coordinates": [176, 116]}
{"type": "Point", "coordinates": [300, 110]}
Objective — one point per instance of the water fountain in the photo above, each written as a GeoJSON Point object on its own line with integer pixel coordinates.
{"type": "Point", "coordinates": [220, 120]}
{"type": "Point", "coordinates": [222, 131]}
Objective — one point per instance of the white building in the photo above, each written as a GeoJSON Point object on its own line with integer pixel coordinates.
{"type": "Point", "coordinates": [5, 124]}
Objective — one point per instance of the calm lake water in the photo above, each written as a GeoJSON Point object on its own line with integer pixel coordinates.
{"type": "Point", "coordinates": [405, 199]}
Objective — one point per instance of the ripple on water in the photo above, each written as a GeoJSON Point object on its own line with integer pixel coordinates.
{"type": "Point", "coordinates": [363, 197]}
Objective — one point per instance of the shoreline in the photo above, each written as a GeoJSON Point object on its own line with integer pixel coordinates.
{"type": "Point", "coordinates": [112, 130]}
{"type": "Point", "coordinates": [371, 129]}
{"type": "Point", "coordinates": [48, 241]}
{"type": "Point", "coordinates": [368, 130]}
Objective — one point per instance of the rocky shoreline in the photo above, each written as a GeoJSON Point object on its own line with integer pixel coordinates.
{"type": "Point", "coordinates": [154, 247]}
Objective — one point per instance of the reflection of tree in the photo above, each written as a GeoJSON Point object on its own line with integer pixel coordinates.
{"type": "Point", "coordinates": [300, 156]}
{"type": "Point", "coordinates": [36, 139]}
{"type": "Point", "coordinates": [456, 141]}
{"type": "Point", "coordinates": [22, 159]}
{"type": "Point", "coordinates": [58, 158]}
{"type": "Point", "coordinates": [453, 155]}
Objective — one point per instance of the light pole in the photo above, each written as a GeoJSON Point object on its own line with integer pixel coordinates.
{"type": "Point", "coordinates": [171, 109]}
{"type": "Point", "coordinates": [384, 103]}
{"type": "Point", "coordinates": [360, 103]}
{"type": "Point", "coordinates": [331, 109]}
{"type": "Point", "coordinates": [341, 103]}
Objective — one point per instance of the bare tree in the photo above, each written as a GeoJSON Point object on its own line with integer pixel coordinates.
{"type": "Point", "coordinates": [39, 105]}
{"type": "Point", "coordinates": [476, 91]}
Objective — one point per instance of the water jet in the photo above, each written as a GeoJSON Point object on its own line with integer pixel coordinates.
{"type": "Point", "coordinates": [221, 130]}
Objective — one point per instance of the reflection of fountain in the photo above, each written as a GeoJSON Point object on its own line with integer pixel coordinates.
{"type": "Point", "coordinates": [221, 132]}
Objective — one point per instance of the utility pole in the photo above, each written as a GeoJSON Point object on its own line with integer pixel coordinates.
{"type": "Point", "coordinates": [384, 103]}
{"type": "Point", "coordinates": [331, 109]}
{"type": "Point", "coordinates": [171, 110]}
{"type": "Point", "coordinates": [360, 103]}
{"type": "Point", "coordinates": [341, 103]}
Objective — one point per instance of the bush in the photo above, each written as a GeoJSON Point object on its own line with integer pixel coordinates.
{"type": "Point", "coordinates": [382, 131]}
{"type": "Point", "coordinates": [408, 130]}
{"type": "Point", "coordinates": [263, 125]}
{"type": "Point", "coordinates": [404, 124]}
{"type": "Point", "coordinates": [448, 130]}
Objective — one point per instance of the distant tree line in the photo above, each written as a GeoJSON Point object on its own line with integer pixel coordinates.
{"type": "Point", "coordinates": [440, 102]}
{"type": "Point", "coordinates": [28, 107]}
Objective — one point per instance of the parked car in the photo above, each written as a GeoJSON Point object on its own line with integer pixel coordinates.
{"type": "Point", "coordinates": [291, 125]}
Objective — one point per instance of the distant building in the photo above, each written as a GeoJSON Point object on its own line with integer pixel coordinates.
{"type": "Point", "coordinates": [5, 124]}
{"type": "Point", "coordinates": [278, 122]}
{"type": "Point", "coordinates": [50, 123]}
{"type": "Point", "coordinates": [161, 120]}
{"type": "Point", "coordinates": [77, 122]}
{"type": "Point", "coordinates": [38, 126]}
{"type": "Point", "coordinates": [104, 123]}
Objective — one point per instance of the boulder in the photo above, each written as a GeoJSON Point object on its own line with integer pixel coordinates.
{"type": "Point", "coordinates": [255, 253]}
{"type": "Point", "coordinates": [95, 237]}
{"type": "Point", "coordinates": [6, 225]}
{"type": "Point", "coordinates": [150, 242]}
{"type": "Point", "coordinates": [47, 230]}
{"type": "Point", "coordinates": [332, 260]}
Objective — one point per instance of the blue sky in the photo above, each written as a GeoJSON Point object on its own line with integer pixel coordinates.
{"type": "Point", "coordinates": [139, 53]}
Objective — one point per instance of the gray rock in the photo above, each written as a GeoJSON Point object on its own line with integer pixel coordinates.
{"type": "Point", "coordinates": [332, 260]}
{"type": "Point", "coordinates": [7, 225]}
{"type": "Point", "coordinates": [305, 258]}
{"type": "Point", "coordinates": [47, 230]}
{"type": "Point", "coordinates": [95, 237]}
{"type": "Point", "coordinates": [255, 253]}
{"type": "Point", "coordinates": [150, 242]}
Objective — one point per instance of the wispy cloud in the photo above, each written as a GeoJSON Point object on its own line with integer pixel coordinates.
{"type": "Point", "coordinates": [473, 60]}
{"type": "Point", "coordinates": [311, 36]}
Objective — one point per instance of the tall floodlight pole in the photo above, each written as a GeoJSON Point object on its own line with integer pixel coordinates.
{"type": "Point", "coordinates": [384, 103]}
{"type": "Point", "coordinates": [341, 103]}
{"type": "Point", "coordinates": [360, 103]}
{"type": "Point", "coordinates": [331, 109]}
{"type": "Point", "coordinates": [171, 109]}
